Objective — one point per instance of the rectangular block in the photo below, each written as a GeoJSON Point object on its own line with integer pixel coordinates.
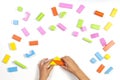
{"type": "Point", "coordinates": [16, 37]}
{"type": "Point", "coordinates": [66, 5]}
{"type": "Point", "coordinates": [80, 23]}
{"type": "Point", "coordinates": [87, 40]}
{"type": "Point", "coordinates": [95, 26]}
{"type": "Point", "coordinates": [41, 30]}
{"type": "Point", "coordinates": [60, 63]}
{"type": "Point", "coordinates": [109, 45]}
{"type": "Point", "coordinates": [6, 59]}
{"type": "Point", "coordinates": [83, 29]}
{"type": "Point", "coordinates": [62, 14]}
{"type": "Point", "coordinates": [61, 26]}
{"type": "Point", "coordinates": [80, 9]}
{"type": "Point", "coordinates": [103, 42]}
{"type": "Point", "coordinates": [98, 13]}
{"type": "Point", "coordinates": [94, 35]}
{"type": "Point", "coordinates": [100, 68]}
{"type": "Point", "coordinates": [108, 70]}
{"type": "Point", "coordinates": [107, 26]}
{"type": "Point", "coordinates": [12, 69]}
{"type": "Point", "coordinates": [54, 11]}
{"type": "Point", "coordinates": [40, 16]}
{"type": "Point", "coordinates": [19, 64]}
{"type": "Point", "coordinates": [33, 43]}
{"type": "Point", "coordinates": [99, 56]}
{"type": "Point", "coordinates": [75, 33]}
{"type": "Point", "coordinates": [113, 12]}
{"type": "Point", "coordinates": [25, 31]}
{"type": "Point", "coordinates": [12, 46]}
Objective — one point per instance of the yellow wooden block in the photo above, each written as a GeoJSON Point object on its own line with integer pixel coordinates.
{"type": "Point", "coordinates": [113, 12]}
{"type": "Point", "coordinates": [57, 58]}
{"type": "Point", "coordinates": [53, 63]}
{"type": "Point", "coordinates": [6, 59]}
{"type": "Point", "coordinates": [107, 56]}
{"type": "Point", "coordinates": [12, 46]}
{"type": "Point", "coordinates": [107, 26]}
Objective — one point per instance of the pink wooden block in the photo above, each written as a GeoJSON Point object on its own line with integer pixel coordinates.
{"type": "Point", "coordinates": [95, 35]}
{"type": "Point", "coordinates": [27, 16]}
{"type": "Point", "coordinates": [75, 33]}
{"type": "Point", "coordinates": [83, 29]}
{"type": "Point", "coordinates": [80, 9]}
{"type": "Point", "coordinates": [103, 42]}
{"type": "Point", "coordinates": [41, 30]}
{"type": "Point", "coordinates": [61, 26]}
{"type": "Point", "coordinates": [25, 31]}
{"type": "Point", "coordinates": [66, 5]}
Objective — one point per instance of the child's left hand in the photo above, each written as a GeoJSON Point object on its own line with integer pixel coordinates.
{"type": "Point", "coordinates": [44, 69]}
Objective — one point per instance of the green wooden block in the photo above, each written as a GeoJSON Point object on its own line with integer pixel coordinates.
{"type": "Point", "coordinates": [62, 14]}
{"type": "Point", "coordinates": [95, 26]}
{"type": "Point", "coordinates": [40, 16]}
{"type": "Point", "coordinates": [52, 28]}
{"type": "Point", "coordinates": [20, 9]}
{"type": "Point", "coordinates": [87, 40]}
{"type": "Point", "coordinates": [20, 64]}
{"type": "Point", "coordinates": [80, 23]}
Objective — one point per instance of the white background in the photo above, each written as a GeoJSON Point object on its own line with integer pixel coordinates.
{"type": "Point", "coordinates": [58, 43]}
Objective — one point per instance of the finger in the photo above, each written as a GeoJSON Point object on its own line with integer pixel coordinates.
{"type": "Point", "coordinates": [64, 59]}
{"type": "Point", "coordinates": [64, 67]}
{"type": "Point", "coordinates": [48, 63]}
{"type": "Point", "coordinates": [50, 68]}
{"type": "Point", "coordinates": [42, 61]}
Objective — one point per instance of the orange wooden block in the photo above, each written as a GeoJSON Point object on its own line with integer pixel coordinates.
{"type": "Point", "coordinates": [16, 37]}
{"type": "Point", "coordinates": [109, 45]}
{"type": "Point", "coordinates": [61, 63]}
{"type": "Point", "coordinates": [32, 43]}
{"type": "Point", "coordinates": [98, 13]}
{"type": "Point", "coordinates": [54, 11]}
{"type": "Point", "coordinates": [100, 68]}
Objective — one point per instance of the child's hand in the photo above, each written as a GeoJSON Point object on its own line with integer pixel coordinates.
{"type": "Point", "coordinates": [72, 67]}
{"type": "Point", "coordinates": [44, 68]}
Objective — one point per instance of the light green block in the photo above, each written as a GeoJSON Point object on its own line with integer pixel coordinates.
{"type": "Point", "coordinates": [52, 28]}
{"type": "Point", "coordinates": [80, 23]}
{"type": "Point", "coordinates": [20, 64]}
{"type": "Point", "coordinates": [87, 40]}
{"type": "Point", "coordinates": [40, 17]}
{"type": "Point", "coordinates": [20, 9]}
{"type": "Point", "coordinates": [95, 26]}
{"type": "Point", "coordinates": [62, 14]}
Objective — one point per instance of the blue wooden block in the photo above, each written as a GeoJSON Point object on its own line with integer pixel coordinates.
{"type": "Point", "coordinates": [93, 60]}
{"type": "Point", "coordinates": [99, 56]}
{"type": "Point", "coordinates": [15, 22]}
{"type": "Point", "coordinates": [31, 53]}
{"type": "Point", "coordinates": [108, 70]}
{"type": "Point", "coordinates": [12, 69]}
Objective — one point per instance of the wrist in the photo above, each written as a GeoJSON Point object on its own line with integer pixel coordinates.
{"type": "Point", "coordinates": [81, 75]}
{"type": "Point", "coordinates": [41, 78]}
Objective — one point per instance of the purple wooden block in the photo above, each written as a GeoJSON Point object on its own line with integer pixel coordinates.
{"type": "Point", "coordinates": [41, 30]}
{"type": "Point", "coordinates": [94, 35]}
{"type": "Point", "coordinates": [80, 9]}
